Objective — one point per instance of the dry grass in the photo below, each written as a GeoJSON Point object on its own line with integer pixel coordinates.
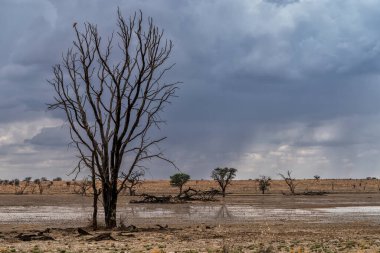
{"type": "Point", "coordinates": [237, 186]}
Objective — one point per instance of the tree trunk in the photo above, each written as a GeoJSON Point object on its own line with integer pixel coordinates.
{"type": "Point", "coordinates": [95, 204]}
{"type": "Point", "coordinates": [109, 204]}
{"type": "Point", "coordinates": [131, 191]}
{"type": "Point", "coordinates": [95, 212]}
{"type": "Point", "coordinates": [224, 192]}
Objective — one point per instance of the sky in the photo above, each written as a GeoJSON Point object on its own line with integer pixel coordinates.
{"type": "Point", "coordinates": [268, 85]}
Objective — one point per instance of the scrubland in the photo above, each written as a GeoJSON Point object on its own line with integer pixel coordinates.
{"type": "Point", "coordinates": [345, 219]}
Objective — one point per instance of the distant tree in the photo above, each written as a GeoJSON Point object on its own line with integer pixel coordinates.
{"type": "Point", "coordinates": [134, 180]}
{"type": "Point", "coordinates": [16, 182]}
{"type": "Point", "coordinates": [82, 186]}
{"type": "Point", "coordinates": [33, 186]}
{"type": "Point", "coordinates": [50, 184]}
{"type": "Point", "coordinates": [40, 184]}
{"type": "Point", "coordinates": [316, 180]}
{"type": "Point", "coordinates": [364, 185]}
{"type": "Point", "coordinates": [264, 183]}
{"type": "Point", "coordinates": [290, 181]}
{"type": "Point", "coordinates": [178, 180]}
{"type": "Point", "coordinates": [44, 179]}
{"type": "Point", "coordinates": [57, 179]}
{"type": "Point", "coordinates": [223, 176]}
{"type": "Point", "coordinates": [22, 187]}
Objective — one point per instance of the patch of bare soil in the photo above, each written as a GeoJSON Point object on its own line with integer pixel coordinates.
{"type": "Point", "coordinates": [254, 237]}
{"type": "Point", "coordinates": [347, 222]}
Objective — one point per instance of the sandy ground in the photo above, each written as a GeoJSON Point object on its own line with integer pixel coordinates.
{"type": "Point", "coordinates": [347, 222]}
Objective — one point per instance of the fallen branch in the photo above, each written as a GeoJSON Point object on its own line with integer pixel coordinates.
{"type": "Point", "coordinates": [160, 227]}
{"type": "Point", "coordinates": [102, 237]}
{"type": "Point", "coordinates": [82, 232]}
{"type": "Point", "coordinates": [34, 237]}
{"type": "Point", "coordinates": [197, 195]}
{"type": "Point", "coordinates": [147, 198]}
{"type": "Point", "coordinates": [188, 195]}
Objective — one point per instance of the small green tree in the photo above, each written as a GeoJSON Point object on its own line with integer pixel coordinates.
{"type": "Point", "coordinates": [264, 183]}
{"type": "Point", "coordinates": [178, 180]}
{"type": "Point", "coordinates": [224, 177]}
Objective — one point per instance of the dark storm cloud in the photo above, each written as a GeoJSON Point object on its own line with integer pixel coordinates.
{"type": "Point", "coordinates": [51, 136]}
{"type": "Point", "coordinates": [282, 2]}
{"type": "Point", "coordinates": [268, 85]}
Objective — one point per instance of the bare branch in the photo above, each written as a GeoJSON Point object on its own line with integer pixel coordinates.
{"type": "Point", "coordinates": [112, 93]}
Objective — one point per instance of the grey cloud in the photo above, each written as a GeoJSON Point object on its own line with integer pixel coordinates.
{"type": "Point", "coordinates": [258, 76]}
{"type": "Point", "coordinates": [21, 160]}
{"type": "Point", "coordinates": [282, 2]}
{"type": "Point", "coordinates": [51, 136]}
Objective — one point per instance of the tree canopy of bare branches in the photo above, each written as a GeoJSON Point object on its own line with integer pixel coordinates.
{"type": "Point", "coordinates": [112, 92]}
{"type": "Point", "coordinates": [290, 181]}
{"type": "Point", "coordinates": [134, 180]}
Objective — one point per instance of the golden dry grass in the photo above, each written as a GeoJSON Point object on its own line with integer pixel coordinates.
{"type": "Point", "coordinates": [236, 187]}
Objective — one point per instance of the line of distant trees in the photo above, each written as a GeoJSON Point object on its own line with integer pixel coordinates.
{"type": "Point", "coordinates": [223, 177]}
{"type": "Point", "coordinates": [17, 181]}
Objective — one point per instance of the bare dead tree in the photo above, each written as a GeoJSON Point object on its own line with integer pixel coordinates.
{"type": "Point", "coordinates": [23, 185]}
{"type": "Point", "coordinates": [134, 180]}
{"type": "Point", "coordinates": [33, 188]}
{"type": "Point", "coordinates": [82, 186]}
{"type": "Point", "coordinates": [49, 184]}
{"type": "Point", "coordinates": [16, 184]}
{"type": "Point", "coordinates": [290, 181]}
{"type": "Point", "coordinates": [264, 183]}
{"type": "Point", "coordinates": [40, 184]}
{"type": "Point", "coordinates": [112, 92]}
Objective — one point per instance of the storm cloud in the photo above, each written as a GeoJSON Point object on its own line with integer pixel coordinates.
{"type": "Point", "coordinates": [268, 86]}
